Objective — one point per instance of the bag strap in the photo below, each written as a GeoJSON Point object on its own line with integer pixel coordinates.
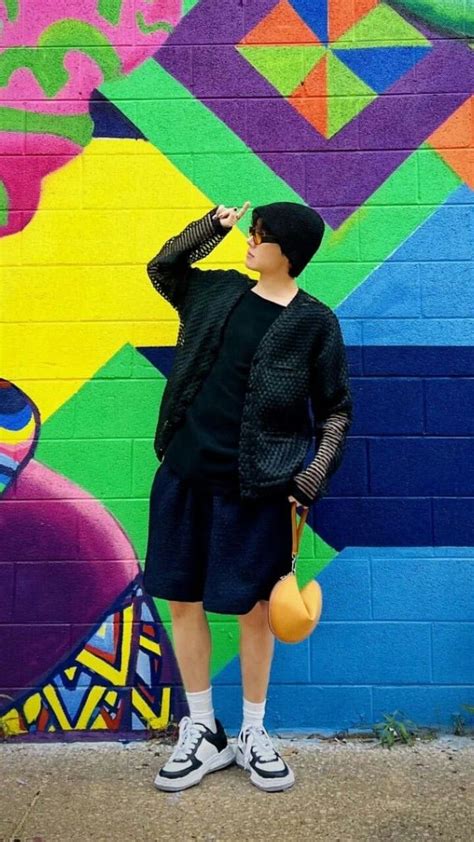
{"type": "Point", "coordinates": [297, 531]}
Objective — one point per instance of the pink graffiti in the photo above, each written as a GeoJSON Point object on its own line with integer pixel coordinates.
{"type": "Point", "coordinates": [132, 39]}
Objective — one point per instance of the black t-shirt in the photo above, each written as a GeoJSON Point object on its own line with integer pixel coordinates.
{"type": "Point", "coordinates": [205, 448]}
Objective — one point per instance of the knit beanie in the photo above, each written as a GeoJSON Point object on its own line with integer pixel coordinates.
{"type": "Point", "coordinates": [298, 228]}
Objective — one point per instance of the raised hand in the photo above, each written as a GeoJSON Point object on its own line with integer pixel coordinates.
{"type": "Point", "coordinates": [229, 216]}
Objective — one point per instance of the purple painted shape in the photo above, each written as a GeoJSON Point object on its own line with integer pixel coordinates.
{"type": "Point", "coordinates": [212, 23]}
{"type": "Point", "coordinates": [27, 651]}
{"type": "Point", "coordinates": [320, 165]}
{"type": "Point", "coordinates": [413, 117]}
{"type": "Point", "coordinates": [273, 124]}
{"type": "Point", "coordinates": [58, 579]}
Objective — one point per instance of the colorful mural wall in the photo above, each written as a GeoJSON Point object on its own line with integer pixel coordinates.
{"type": "Point", "coordinates": [119, 124]}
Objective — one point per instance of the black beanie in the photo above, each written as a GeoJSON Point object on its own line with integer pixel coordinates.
{"type": "Point", "coordinates": [298, 228]}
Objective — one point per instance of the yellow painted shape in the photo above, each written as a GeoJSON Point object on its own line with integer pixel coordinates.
{"type": "Point", "coordinates": [32, 708]}
{"type": "Point", "coordinates": [147, 714]}
{"type": "Point", "coordinates": [150, 645]}
{"type": "Point", "coordinates": [108, 671]}
{"type": "Point", "coordinates": [10, 724]}
{"type": "Point", "coordinates": [94, 696]}
{"type": "Point", "coordinates": [73, 283]}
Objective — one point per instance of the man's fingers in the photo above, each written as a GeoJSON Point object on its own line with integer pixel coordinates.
{"type": "Point", "coordinates": [243, 209]}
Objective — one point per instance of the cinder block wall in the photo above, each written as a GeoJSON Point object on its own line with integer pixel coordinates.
{"type": "Point", "coordinates": [120, 125]}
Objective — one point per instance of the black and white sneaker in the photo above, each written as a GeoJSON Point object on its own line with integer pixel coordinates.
{"type": "Point", "coordinates": [199, 751]}
{"type": "Point", "coordinates": [256, 753]}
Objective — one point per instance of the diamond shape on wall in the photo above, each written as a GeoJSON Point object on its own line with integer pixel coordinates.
{"type": "Point", "coordinates": [284, 67]}
{"type": "Point", "coordinates": [330, 60]}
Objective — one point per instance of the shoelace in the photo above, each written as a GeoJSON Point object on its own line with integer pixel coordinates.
{"type": "Point", "coordinates": [189, 734]}
{"type": "Point", "coordinates": [258, 737]}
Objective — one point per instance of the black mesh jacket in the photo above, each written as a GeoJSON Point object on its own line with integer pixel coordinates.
{"type": "Point", "coordinates": [300, 363]}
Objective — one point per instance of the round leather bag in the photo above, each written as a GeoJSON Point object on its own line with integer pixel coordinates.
{"type": "Point", "coordinates": [294, 613]}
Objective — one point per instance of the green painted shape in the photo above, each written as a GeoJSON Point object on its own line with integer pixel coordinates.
{"type": "Point", "coordinates": [348, 95]}
{"type": "Point", "coordinates": [4, 204]}
{"type": "Point", "coordinates": [285, 67]}
{"type": "Point", "coordinates": [110, 10]}
{"type": "Point", "coordinates": [76, 128]}
{"type": "Point", "coordinates": [453, 15]}
{"type": "Point", "coordinates": [46, 61]}
{"type": "Point", "coordinates": [147, 28]}
{"type": "Point", "coordinates": [13, 9]}
{"type": "Point", "coordinates": [382, 26]}
{"type": "Point", "coordinates": [188, 5]}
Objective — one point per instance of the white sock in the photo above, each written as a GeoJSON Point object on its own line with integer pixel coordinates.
{"type": "Point", "coordinates": [201, 709]}
{"type": "Point", "coordinates": [253, 712]}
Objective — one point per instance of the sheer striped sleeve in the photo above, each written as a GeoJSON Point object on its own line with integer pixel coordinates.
{"type": "Point", "coordinates": [169, 269]}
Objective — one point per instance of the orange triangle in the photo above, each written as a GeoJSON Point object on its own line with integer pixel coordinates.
{"type": "Point", "coordinates": [341, 16]}
{"type": "Point", "coordinates": [282, 26]}
{"type": "Point", "coordinates": [458, 130]}
{"type": "Point", "coordinates": [310, 97]}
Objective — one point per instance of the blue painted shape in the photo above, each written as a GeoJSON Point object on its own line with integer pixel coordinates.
{"type": "Point", "coordinates": [162, 357]}
{"type": "Point", "coordinates": [143, 667]}
{"type": "Point", "coordinates": [7, 463]}
{"type": "Point", "coordinates": [381, 67]}
{"type": "Point", "coordinates": [399, 402]}
{"type": "Point", "coordinates": [453, 519]}
{"type": "Point", "coordinates": [426, 704]}
{"type": "Point", "coordinates": [73, 700]}
{"type": "Point", "coordinates": [391, 291]}
{"type": "Point", "coordinates": [345, 575]}
{"type": "Point", "coordinates": [109, 121]}
{"type": "Point", "coordinates": [453, 645]}
{"type": "Point", "coordinates": [351, 478]}
{"type": "Point", "coordinates": [368, 653]}
{"type": "Point", "coordinates": [424, 361]}
{"type": "Point", "coordinates": [315, 15]}
{"type": "Point", "coordinates": [289, 665]}
{"type": "Point", "coordinates": [391, 304]}
{"type": "Point", "coordinates": [450, 406]}
{"type": "Point", "coordinates": [380, 521]}
{"type": "Point", "coordinates": [299, 706]}
{"type": "Point", "coordinates": [419, 331]}
{"type": "Point", "coordinates": [414, 467]}
{"type": "Point", "coordinates": [16, 420]}
{"type": "Point", "coordinates": [456, 280]}
{"type": "Point", "coordinates": [446, 235]}
{"type": "Point", "coordinates": [417, 588]}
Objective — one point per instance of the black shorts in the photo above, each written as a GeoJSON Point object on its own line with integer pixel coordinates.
{"type": "Point", "coordinates": [214, 548]}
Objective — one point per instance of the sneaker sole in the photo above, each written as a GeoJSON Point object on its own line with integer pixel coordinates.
{"type": "Point", "coordinates": [278, 785]}
{"type": "Point", "coordinates": [220, 761]}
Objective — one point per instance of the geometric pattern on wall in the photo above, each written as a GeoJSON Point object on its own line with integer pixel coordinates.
{"type": "Point", "coordinates": [339, 58]}
{"type": "Point", "coordinates": [122, 678]}
{"type": "Point", "coordinates": [349, 164]}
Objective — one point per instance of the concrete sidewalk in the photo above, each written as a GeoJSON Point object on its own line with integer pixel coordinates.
{"type": "Point", "coordinates": [349, 790]}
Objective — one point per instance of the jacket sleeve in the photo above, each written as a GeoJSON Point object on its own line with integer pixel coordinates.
{"type": "Point", "coordinates": [332, 405]}
{"type": "Point", "coordinates": [169, 270]}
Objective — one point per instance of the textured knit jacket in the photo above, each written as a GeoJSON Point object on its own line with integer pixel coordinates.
{"type": "Point", "coordinates": [300, 361]}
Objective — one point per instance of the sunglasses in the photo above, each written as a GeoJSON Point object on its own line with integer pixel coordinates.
{"type": "Point", "coordinates": [261, 236]}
